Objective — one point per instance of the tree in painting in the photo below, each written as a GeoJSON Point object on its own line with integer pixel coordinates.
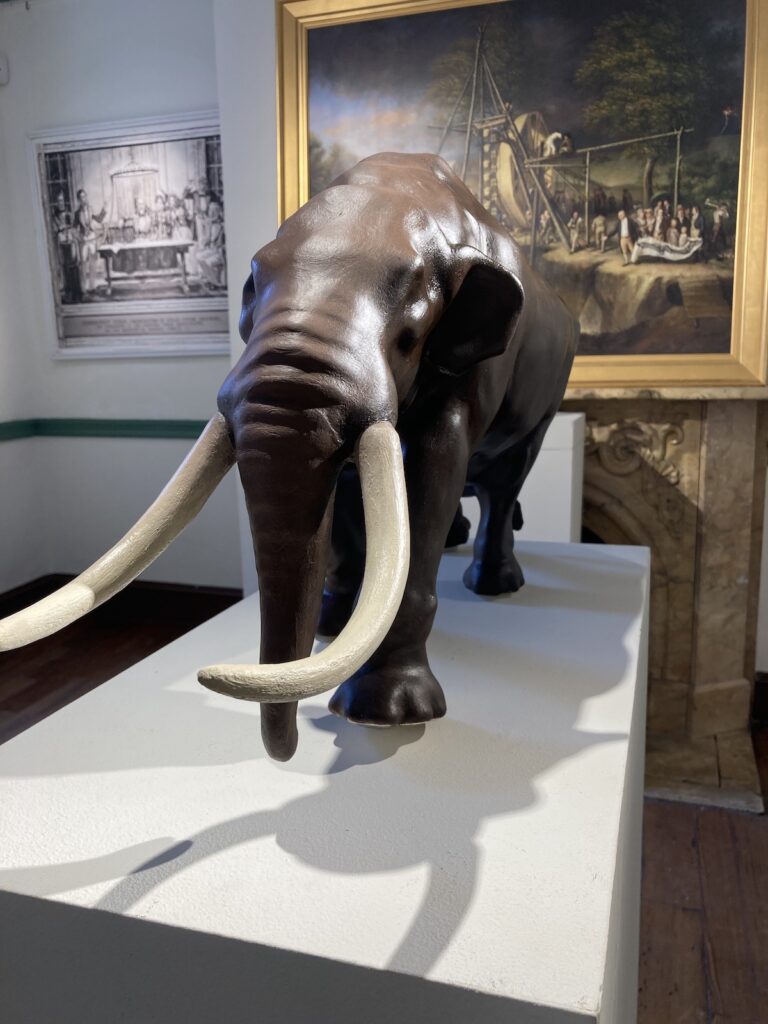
{"type": "Point", "coordinates": [325, 164]}
{"type": "Point", "coordinates": [653, 67]}
{"type": "Point", "coordinates": [505, 55]}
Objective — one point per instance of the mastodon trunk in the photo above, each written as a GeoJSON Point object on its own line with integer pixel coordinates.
{"type": "Point", "coordinates": [380, 464]}
{"type": "Point", "coordinates": [290, 507]}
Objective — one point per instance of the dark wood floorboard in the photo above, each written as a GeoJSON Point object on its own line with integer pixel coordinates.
{"type": "Point", "coordinates": [38, 680]}
{"type": "Point", "coordinates": [730, 961]}
{"type": "Point", "coordinates": [671, 863]}
{"type": "Point", "coordinates": [704, 920]}
{"type": "Point", "coordinates": [672, 981]}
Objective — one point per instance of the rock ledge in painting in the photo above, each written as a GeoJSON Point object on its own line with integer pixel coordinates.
{"type": "Point", "coordinates": [643, 308]}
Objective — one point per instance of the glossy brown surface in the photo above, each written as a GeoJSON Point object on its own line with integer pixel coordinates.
{"type": "Point", "coordinates": [391, 295]}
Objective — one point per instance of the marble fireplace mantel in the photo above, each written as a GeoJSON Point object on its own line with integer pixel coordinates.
{"type": "Point", "coordinates": [683, 472]}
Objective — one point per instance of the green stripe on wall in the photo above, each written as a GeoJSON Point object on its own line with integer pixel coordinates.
{"type": "Point", "coordinates": [13, 430]}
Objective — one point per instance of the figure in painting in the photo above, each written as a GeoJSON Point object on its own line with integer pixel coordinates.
{"type": "Point", "coordinates": [698, 225]}
{"type": "Point", "coordinates": [660, 223]}
{"type": "Point", "coordinates": [143, 220]}
{"type": "Point", "coordinates": [211, 255]}
{"type": "Point", "coordinates": [575, 226]}
{"type": "Point", "coordinates": [627, 232]}
{"type": "Point", "coordinates": [731, 121]}
{"type": "Point", "coordinates": [65, 236]}
{"type": "Point", "coordinates": [181, 226]}
{"type": "Point", "coordinates": [599, 224]}
{"type": "Point", "coordinates": [720, 217]}
{"type": "Point", "coordinates": [88, 226]}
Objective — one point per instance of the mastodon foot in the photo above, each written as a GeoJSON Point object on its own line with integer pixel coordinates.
{"type": "Point", "coordinates": [493, 578]}
{"type": "Point", "coordinates": [390, 695]}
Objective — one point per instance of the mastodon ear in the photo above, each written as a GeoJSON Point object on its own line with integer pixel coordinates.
{"type": "Point", "coordinates": [246, 311]}
{"type": "Point", "coordinates": [480, 320]}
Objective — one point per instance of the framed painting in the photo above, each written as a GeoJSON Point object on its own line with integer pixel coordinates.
{"type": "Point", "coordinates": [131, 237]}
{"type": "Point", "coordinates": [625, 147]}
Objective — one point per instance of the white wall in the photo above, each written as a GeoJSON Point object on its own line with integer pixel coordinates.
{"type": "Point", "coordinates": [245, 59]}
{"type": "Point", "coordinates": [74, 497]}
{"type": "Point", "coordinates": [26, 545]}
{"type": "Point", "coordinates": [87, 521]}
{"type": "Point", "coordinates": [79, 62]}
{"type": "Point", "coordinates": [22, 557]}
{"type": "Point", "coordinates": [15, 356]}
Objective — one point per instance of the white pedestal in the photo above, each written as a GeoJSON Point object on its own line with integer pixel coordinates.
{"type": "Point", "coordinates": [551, 495]}
{"type": "Point", "coordinates": [482, 869]}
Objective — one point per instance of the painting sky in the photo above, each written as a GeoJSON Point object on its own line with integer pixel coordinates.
{"type": "Point", "coordinates": [370, 81]}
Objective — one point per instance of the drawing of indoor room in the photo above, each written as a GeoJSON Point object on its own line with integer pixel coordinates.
{"type": "Point", "coordinates": [157, 217]}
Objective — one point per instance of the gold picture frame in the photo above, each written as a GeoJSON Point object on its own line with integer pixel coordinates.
{"type": "Point", "coordinates": [745, 366]}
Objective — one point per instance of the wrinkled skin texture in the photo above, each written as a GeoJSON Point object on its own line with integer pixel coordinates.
{"type": "Point", "coordinates": [391, 295]}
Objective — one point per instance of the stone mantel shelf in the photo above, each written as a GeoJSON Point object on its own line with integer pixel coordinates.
{"type": "Point", "coordinates": [692, 394]}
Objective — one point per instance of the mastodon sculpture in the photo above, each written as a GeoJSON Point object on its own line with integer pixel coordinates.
{"type": "Point", "coordinates": [399, 349]}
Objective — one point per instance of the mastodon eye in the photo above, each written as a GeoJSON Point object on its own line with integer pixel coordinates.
{"type": "Point", "coordinates": [407, 340]}
{"type": "Point", "coordinates": [397, 278]}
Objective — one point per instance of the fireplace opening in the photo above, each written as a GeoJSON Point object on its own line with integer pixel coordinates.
{"type": "Point", "coordinates": [589, 536]}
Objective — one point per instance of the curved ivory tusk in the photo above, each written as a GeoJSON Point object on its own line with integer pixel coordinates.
{"type": "Point", "coordinates": [176, 506]}
{"type": "Point", "coordinates": [380, 464]}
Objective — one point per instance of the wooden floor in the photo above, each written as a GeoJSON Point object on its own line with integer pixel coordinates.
{"type": "Point", "coordinates": [38, 680]}
{"type": "Point", "coordinates": [704, 928]}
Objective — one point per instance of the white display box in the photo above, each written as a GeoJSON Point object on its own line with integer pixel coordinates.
{"type": "Point", "coordinates": [551, 495]}
{"type": "Point", "coordinates": [155, 866]}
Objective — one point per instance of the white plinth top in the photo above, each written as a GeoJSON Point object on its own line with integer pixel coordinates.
{"type": "Point", "coordinates": [478, 851]}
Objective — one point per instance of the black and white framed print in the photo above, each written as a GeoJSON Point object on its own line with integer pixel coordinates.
{"type": "Point", "coordinates": [132, 227]}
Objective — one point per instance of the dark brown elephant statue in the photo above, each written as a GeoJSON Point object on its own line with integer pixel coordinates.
{"type": "Point", "coordinates": [399, 352]}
